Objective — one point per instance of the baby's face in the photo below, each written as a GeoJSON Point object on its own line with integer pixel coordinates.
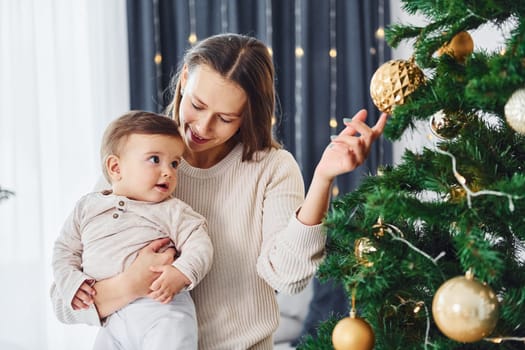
{"type": "Point", "coordinates": [148, 167]}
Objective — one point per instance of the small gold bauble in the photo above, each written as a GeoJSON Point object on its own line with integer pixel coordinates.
{"type": "Point", "coordinates": [438, 123]}
{"type": "Point", "coordinates": [457, 194]}
{"type": "Point", "coordinates": [362, 247]}
{"type": "Point", "coordinates": [353, 333]}
{"type": "Point", "coordinates": [379, 228]}
{"type": "Point", "coordinates": [459, 47]}
{"type": "Point", "coordinates": [393, 81]}
{"type": "Point", "coordinates": [465, 310]}
{"type": "Point", "coordinates": [515, 111]}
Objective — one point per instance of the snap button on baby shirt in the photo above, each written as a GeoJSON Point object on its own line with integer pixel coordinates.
{"type": "Point", "coordinates": [119, 207]}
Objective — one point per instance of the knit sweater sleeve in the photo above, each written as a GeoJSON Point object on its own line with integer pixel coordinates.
{"type": "Point", "coordinates": [68, 274]}
{"type": "Point", "coordinates": [190, 235]}
{"type": "Point", "coordinates": [291, 251]}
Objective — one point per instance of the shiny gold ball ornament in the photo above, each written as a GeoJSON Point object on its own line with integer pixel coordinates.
{"type": "Point", "coordinates": [393, 81]}
{"type": "Point", "coordinates": [465, 309]}
{"type": "Point", "coordinates": [362, 247]}
{"type": "Point", "coordinates": [515, 111]}
{"type": "Point", "coordinates": [353, 333]}
{"type": "Point", "coordinates": [459, 47]}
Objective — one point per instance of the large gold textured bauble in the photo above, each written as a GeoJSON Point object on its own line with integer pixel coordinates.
{"type": "Point", "coordinates": [353, 333]}
{"type": "Point", "coordinates": [459, 47]}
{"type": "Point", "coordinates": [465, 310]}
{"type": "Point", "coordinates": [515, 111]}
{"type": "Point", "coordinates": [393, 81]}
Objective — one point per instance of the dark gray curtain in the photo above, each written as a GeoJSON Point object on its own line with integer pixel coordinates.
{"type": "Point", "coordinates": [159, 32]}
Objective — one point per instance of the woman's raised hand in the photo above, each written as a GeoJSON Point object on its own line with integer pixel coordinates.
{"type": "Point", "coordinates": [349, 149]}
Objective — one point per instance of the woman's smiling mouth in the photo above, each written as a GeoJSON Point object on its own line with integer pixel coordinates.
{"type": "Point", "coordinates": [197, 139]}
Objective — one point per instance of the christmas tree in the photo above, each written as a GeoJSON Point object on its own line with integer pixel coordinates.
{"type": "Point", "coordinates": [431, 251]}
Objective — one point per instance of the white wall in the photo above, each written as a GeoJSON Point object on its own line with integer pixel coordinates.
{"type": "Point", "coordinates": [487, 37]}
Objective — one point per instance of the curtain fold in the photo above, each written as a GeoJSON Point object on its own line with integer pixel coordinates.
{"type": "Point", "coordinates": [325, 53]}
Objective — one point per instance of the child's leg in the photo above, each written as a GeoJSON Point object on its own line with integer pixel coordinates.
{"type": "Point", "coordinates": [112, 336]}
{"type": "Point", "coordinates": [156, 326]}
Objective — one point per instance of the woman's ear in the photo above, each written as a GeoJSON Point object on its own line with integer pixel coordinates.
{"type": "Point", "coordinates": [183, 78]}
{"type": "Point", "coordinates": [113, 167]}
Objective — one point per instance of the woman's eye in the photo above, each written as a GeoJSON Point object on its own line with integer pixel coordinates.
{"type": "Point", "coordinates": [227, 121]}
{"type": "Point", "coordinates": [154, 159]}
{"type": "Point", "coordinates": [196, 107]}
{"type": "Point", "coordinates": [175, 164]}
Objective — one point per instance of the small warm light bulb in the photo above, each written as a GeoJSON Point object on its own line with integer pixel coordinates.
{"type": "Point", "coordinates": [495, 340]}
{"type": "Point", "coordinates": [418, 307]}
{"type": "Point", "coordinates": [192, 39]}
{"type": "Point", "coordinates": [380, 33]}
{"type": "Point", "coordinates": [333, 123]}
{"type": "Point", "coordinates": [299, 52]}
{"type": "Point", "coordinates": [333, 53]}
{"type": "Point", "coordinates": [270, 51]}
{"type": "Point", "coordinates": [460, 178]}
{"type": "Point", "coordinates": [158, 58]}
{"type": "Point", "coordinates": [335, 191]}
{"type": "Point", "coordinates": [274, 120]}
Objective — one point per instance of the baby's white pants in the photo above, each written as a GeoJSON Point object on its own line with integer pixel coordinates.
{"type": "Point", "coordinates": [147, 324]}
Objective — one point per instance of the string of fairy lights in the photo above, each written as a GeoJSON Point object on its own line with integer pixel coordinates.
{"type": "Point", "coordinates": [224, 16]}
{"type": "Point", "coordinates": [299, 53]}
{"type": "Point", "coordinates": [332, 64]}
{"type": "Point", "coordinates": [157, 59]}
{"type": "Point", "coordinates": [192, 38]}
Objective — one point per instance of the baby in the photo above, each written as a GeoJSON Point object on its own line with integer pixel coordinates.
{"type": "Point", "coordinates": [140, 154]}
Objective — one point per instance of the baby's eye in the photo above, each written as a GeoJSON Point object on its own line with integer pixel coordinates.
{"type": "Point", "coordinates": [154, 159]}
{"type": "Point", "coordinates": [175, 164]}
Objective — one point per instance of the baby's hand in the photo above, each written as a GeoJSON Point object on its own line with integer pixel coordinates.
{"type": "Point", "coordinates": [170, 282]}
{"type": "Point", "coordinates": [84, 296]}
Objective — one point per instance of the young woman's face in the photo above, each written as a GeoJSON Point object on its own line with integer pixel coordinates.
{"type": "Point", "coordinates": [210, 111]}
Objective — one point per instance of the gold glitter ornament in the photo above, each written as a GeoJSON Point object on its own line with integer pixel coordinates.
{"type": "Point", "coordinates": [515, 111]}
{"type": "Point", "coordinates": [393, 81]}
{"type": "Point", "coordinates": [465, 309]}
{"type": "Point", "coordinates": [353, 333]}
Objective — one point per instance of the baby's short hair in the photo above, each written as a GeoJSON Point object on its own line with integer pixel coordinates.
{"type": "Point", "coordinates": [134, 122]}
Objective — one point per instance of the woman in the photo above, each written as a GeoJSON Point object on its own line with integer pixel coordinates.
{"type": "Point", "coordinates": [265, 236]}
